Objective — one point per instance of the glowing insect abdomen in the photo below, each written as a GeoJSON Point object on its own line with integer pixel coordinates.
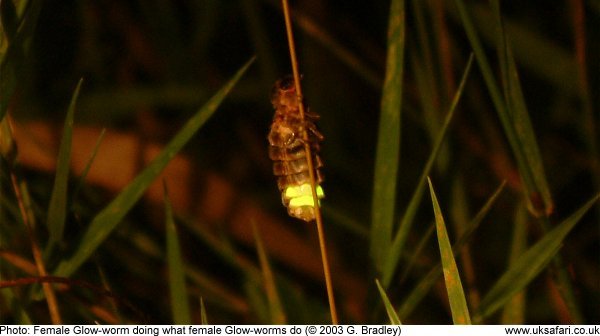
{"type": "Point", "coordinates": [286, 149]}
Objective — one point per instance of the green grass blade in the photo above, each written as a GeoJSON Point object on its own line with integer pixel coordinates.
{"type": "Point", "coordinates": [518, 129]}
{"type": "Point", "coordinates": [529, 264]}
{"type": "Point", "coordinates": [417, 294]}
{"type": "Point", "coordinates": [391, 262]}
{"type": "Point", "coordinates": [394, 319]}
{"type": "Point", "coordinates": [530, 166]}
{"type": "Point", "coordinates": [275, 307]}
{"type": "Point", "coordinates": [456, 295]}
{"type": "Point", "coordinates": [514, 310]}
{"type": "Point", "coordinates": [57, 210]}
{"type": "Point", "coordinates": [180, 308]}
{"type": "Point", "coordinates": [519, 120]}
{"type": "Point", "coordinates": [105, 222]}
{"type": "Point", "coordinates": [388, 141]}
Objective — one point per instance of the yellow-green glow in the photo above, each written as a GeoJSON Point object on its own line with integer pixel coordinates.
{"type": "Point", "coordinates": [297, 202]}
{"type": "Point", "coordinates": [301, 195]}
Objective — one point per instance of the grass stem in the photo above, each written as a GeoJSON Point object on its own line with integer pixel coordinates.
{"type": "Point", "coordinates": [309, 159]}
{"type": "Point", "coordinates": [18, 186]}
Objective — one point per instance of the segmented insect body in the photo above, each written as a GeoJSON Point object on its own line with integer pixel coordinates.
{"type": "Point", "coordinates": [286, 149]}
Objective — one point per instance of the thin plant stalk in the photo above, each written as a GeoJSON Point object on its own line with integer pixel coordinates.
{"type": "Point", "coordinates": [311, 170]}
{"type": "Point", "coordinates": [35, 249]}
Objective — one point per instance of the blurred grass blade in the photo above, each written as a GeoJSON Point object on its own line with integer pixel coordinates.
{"type": "Point", "coordinates": [9, 22]}
{"type": "Point", "coordinates": [223, 250]}
{"type": "Point", "coordinates": [388, 142]}
{"type": "Point", "coordinates": [203, 317]}
{"type": "Point", "coordinates": [215, 290]}
{"type": "Point", "coordinates": [456, 295]}
{"type": "Point", "coordinates": [391, 261]}
{"type": "Point", "coordinates": [514, 310]}
{"type": "Point", "coordinates": [427, 101]}
{"type": "Point", "coordinates": [275, 307]}
{"type": "Point", "coordinates": [88, 165]}
{"type": "Point", "coordinates": [57, 209]}
{"type": "Point", "coordinates": [416, 254]}
{"type": "Point", "coordinates": [255, 23]}
{"type": "Point", "coordinates": [317, 32]}
{"type": "Point", "coordinates": [180, 308]}
{"type": "Point", "coordinates": [114, 307]}
{"type": "Point", "coordinates": [210, 287]}
{"type": "Point", "coordinates": [518, 129]}
{"type": "Point", "coordinates": [105, 221]}
{"type": "Point", "coordinates": [13, 302]}
{"type": "Point", "coordinates": [529, 265]}
{"type": "Point", "coordinates": [341, 218]}
{"type": "Point", "coordinates": [426, 77]}
{"type": "Point", "coordinates": [530, 46]}
{"type": "Point", "coordinates": [8, 146]}
{"type": "Point", "coordinates": [12, 58]}
{"type": "Point", "coordinates": [344, 54]}
{"type": "Point", "coordinates": [423, 287]}
{"type": "Point", "coordinates": [394, 319]}
{"type": "Point", "coordinates": [256, 300]}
